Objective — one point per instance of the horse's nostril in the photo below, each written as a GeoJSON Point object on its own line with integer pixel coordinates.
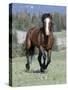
{"type": "Point", "coordinates": [47, 34]}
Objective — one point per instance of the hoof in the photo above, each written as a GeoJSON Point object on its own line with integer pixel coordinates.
{"type": "Point", "coordinates": [27, 67]}
{"type": "Point", "coordinates": [41, 70]}
{"type": "Point", "coordinates": [45, 67]}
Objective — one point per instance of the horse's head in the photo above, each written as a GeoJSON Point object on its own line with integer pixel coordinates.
{"type": "Point", "coordinates": [47, 23]}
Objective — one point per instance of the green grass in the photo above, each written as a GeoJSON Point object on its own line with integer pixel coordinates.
{"type": "Point", "coordinates": [55, 74]}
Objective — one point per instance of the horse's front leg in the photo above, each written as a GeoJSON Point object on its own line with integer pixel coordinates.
{"type": "Point", "coordinates": [40, 62]}
{"type": "Point", "coordinates": [48, 58]}
{"type": "Point", "coordinates": [41, 59]}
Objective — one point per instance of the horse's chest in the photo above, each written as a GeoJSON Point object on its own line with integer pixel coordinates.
{"type": "Point", "coordinates": [46, 42]}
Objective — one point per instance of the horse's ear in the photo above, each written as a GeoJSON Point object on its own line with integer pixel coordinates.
{"type": "Point", "coordinates": [46, 15]}
{"type": "Point", "coordinates": [43, 17]}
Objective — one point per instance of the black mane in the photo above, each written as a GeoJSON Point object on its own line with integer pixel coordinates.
{"type": "Point", "coordinates": [45, 15]}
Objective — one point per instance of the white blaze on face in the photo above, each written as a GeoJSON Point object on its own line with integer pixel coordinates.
{"type": "Point", "coordinates": [47, 20]}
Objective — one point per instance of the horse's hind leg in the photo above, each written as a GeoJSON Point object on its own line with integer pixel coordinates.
{"type": "Point", "coordinates": [28, 63]}
{"type": "Point", "coordinates": [28, 45]}
{"type": "Point", "coordinates": [29, 57]}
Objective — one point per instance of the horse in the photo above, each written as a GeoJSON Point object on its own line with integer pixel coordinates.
{"type": "Point", "coordinates": [43, 39]}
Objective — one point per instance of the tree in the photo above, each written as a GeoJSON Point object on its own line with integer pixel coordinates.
{"type": "Point", "coordinates": [56, 20]}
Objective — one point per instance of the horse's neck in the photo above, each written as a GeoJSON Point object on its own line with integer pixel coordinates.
{"type": "Point", "coordinates": [43, 38]}
{"type": "Point", "coordinates": [42, 31]}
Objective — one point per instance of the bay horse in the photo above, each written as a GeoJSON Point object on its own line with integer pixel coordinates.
{"type": "Point", "coordinates": [43, 39]}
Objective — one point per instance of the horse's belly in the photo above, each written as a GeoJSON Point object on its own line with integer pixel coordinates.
{"type": "Point", "coordinates": [34, 38]}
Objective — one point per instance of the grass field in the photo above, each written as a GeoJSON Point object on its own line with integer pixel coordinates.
{"type": "Point", "coordinates": [55, 74]}
{"type": "Point", "coordinates": [60, 34]}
